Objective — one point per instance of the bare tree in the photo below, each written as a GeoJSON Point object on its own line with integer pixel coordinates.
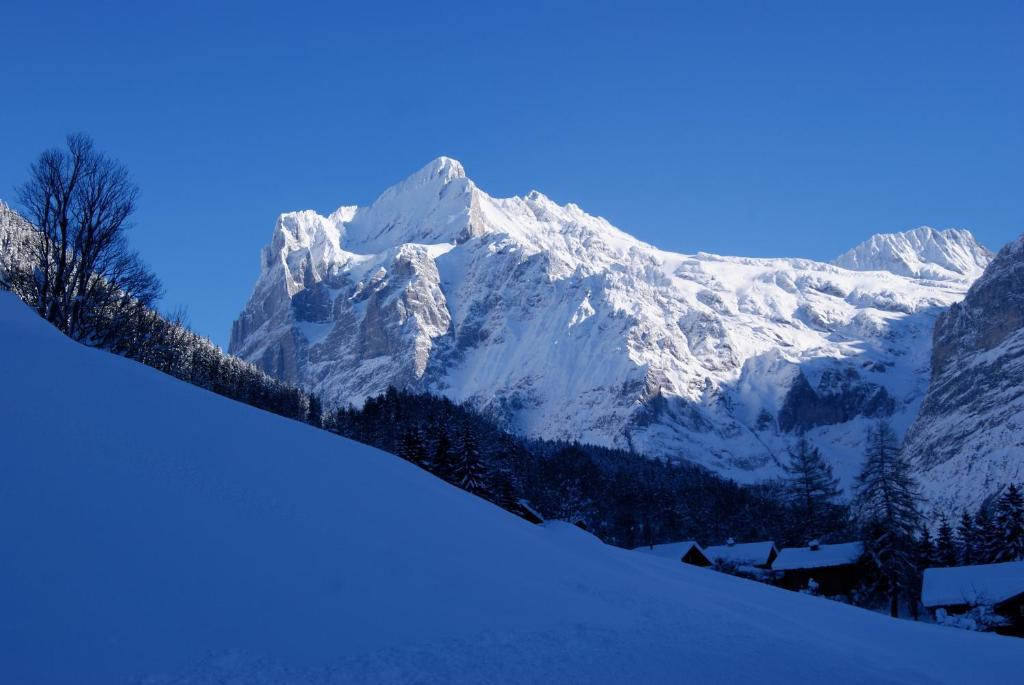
{"type": "Point", "coordinates": [87, 281]}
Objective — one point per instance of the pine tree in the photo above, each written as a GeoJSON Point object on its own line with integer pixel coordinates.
{"type": "Point", "coordinates": [441, 464]}
{"type": "Point", "coordinates": [468, 470]}
{"type": "Point", "coordinates": [503, 491]}
{"type": "Point", "coordinates": [946, 552]}
{"type": "Point", "coordinates": [411, 448]}
{"type": "Point", "coordinates": [966, 540]}
{"type": "Point", "coordinates": [811, 490]}
{"type": "Point", "coordinates": [986, 536]}
{"type": "Point", "coordinates": [315, 417]}
{"type": "Point", "coordinates": [1009, 526]}
{"type": "Point", "coordinates": [926, 555]}
{"type": "Point", "coordinates": [887, 508]}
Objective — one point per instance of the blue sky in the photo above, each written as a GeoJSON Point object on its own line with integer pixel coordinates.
{"type": "Point", "coordinates": [763, 129]}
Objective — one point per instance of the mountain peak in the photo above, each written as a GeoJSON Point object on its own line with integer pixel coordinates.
{"type": "Point", "coordinates": [430, 206]}
{"type": "Point", "coordinates": [444, 168]}
{"type": "Point", "coordinates": [923, 252]}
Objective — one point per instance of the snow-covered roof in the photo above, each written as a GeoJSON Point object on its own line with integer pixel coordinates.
{"type": "Point", "coordinates": [981, 584]}
{"type": "Point", "coordinates": [742, 553]}
{"type": "Point", "coordinates": [672, 550]}
{"type": "Point", "coordinates": [527, 507]}
{"type": "Point", "coordinates": [792, 558]}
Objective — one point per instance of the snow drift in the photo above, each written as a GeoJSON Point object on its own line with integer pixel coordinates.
{"type": "Point", "coordinates": [153, 532]}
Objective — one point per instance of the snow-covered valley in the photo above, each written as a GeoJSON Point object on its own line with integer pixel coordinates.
{"type": "Point", "coordinates": [157, 533]}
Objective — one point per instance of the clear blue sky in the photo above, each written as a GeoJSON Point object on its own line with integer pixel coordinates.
{"type": "Point", "coordinates": [774, 128]}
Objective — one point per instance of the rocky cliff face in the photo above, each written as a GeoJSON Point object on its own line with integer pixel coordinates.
{"type": "Point", "coordinates": [560, 325]}
{"type": "Point", "coordinates": [16, 245]}
{"type": "Point", "coordinates": [970, 431]}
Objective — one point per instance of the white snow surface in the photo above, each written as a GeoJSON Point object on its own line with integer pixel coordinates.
{"type": "Point", "coordinates": [671, 550]}
{"type": "Point", "coordinates": [741, 553]}
{"type": "Point", "coordinates": [952, 254]}
{"type": "Point", "coordinates": [156, 533]}
{"type": "Point", "coordinates": [983, 584]}
{"type": "Point", "coordinates": [792, 558]}
{"type": "Point", "coordinates": [562, 326]}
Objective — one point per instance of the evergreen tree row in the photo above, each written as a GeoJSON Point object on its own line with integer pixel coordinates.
{"type": "Point", "coordinates": [624, 498]}
{"type": "Point", "coordinates": [993, 534]}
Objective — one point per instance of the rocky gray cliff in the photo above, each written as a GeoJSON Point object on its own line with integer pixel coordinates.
{"type": "Point", "coordinates": [970, 430]}
{"type": "Point", "coordinates": [17, 240]}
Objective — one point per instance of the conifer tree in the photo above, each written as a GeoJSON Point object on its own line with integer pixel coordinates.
{"type": "Point", "coordinates": [986, 536]}
{"type": "Point", "coordinates": [811, 491]}
{"type": "Point", "coordinates": [441, 463]}
{"type": "Point", "coordinates": [411, 448]}
{"type": "Point", "coordinates": [887, 509]}
{"type": "Point", "coordinates": [926, 555]}
{"type": "Point", "coordinates": [946, 552]}
{"type": "Point", "coordinates": [1009, 526]}
{"type": "Point", "coordinates": [503, 491]}
{"type": "Point", "coordinates": [468, 470]}
{"type": "Point", "coordinates": [315, 411]}
{"type": "Point", "coordinates": [966, 540]}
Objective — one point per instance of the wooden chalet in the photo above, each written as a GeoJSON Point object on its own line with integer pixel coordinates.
{"type": "Point", "coordinates": [757, 555]}
{"type": "Point", "coordinates": [525, 510]}
{"type": "Point", "coordinates": [687, 552]}
{"type": "Point", "coordinates": [832, 570]}
{"type": "Point", "coordinates": [958, 589]}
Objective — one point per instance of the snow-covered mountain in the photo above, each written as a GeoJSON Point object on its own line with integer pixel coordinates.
{"type": "Point", "coordinates": [970, 431]}
{"type": "Point", "coordinates": [561, 325]}
{"type": "Point", "coordinates": [924, 252]}
{"type": "Point", "coordinates": [160, 534]}
{"type": "Point", "coordinates": [15, 242]}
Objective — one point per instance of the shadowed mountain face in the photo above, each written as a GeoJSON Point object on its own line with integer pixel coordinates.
{"type": "Point", "coordinates": [562, 326]}
{"type": "Point", "coordinates": [970, 430]}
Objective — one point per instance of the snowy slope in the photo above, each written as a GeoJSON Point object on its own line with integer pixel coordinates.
{"type": "Point", "coordinates": [968, 440]}
{"type": "Point", "coordinates": [924, 252]}
{"type": "Point", "coordinates": [156, 533]}
{"type": "Point", "coordinates": [562, 326]}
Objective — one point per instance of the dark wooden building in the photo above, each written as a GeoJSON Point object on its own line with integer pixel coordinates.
{"type": "Point", "coordinates": [959, 589]}
{"type": "Point", "coordinates": [732, 554]}
{"type": "Point", "coordinates": [525, 510]}
{"type": "Point", "coordinates": [687, 552]}
{"type": "Point", "coordinates": [829, 570]}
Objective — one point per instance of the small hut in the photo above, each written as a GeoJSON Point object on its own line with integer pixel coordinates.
{"type": "Point", "coordinates": [525, 510]}
{"type": "Point", "coordinates": [831, 570]}
{"type": "Point", "coordinates": [688, 552]}
{"type": "Point", "coordinates": [996, 588]}
{"type": "Point", "coordinates": [758, 555]}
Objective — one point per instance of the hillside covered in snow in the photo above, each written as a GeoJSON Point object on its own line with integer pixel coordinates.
{"type": "Point", "coordinates": [559, 325]}
{"type": "Point", "coordinates": [157, 533]}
